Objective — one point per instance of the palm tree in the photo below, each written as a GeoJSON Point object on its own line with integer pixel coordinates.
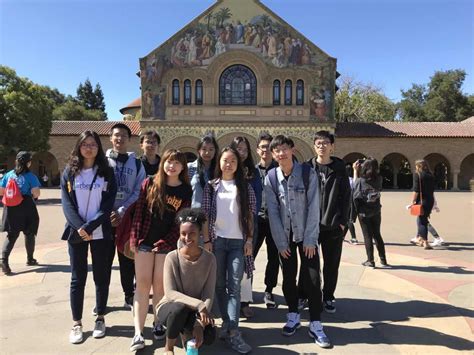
{"type": "Point", "coordinates": [208, 17]}
{"type": "Point", "coordinates": [223, 15]}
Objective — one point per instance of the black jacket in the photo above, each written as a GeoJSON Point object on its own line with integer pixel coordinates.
{"type": "Point", "coordinates": [335, 199]}
{"type": "Point", "coordinates": [367, 197]}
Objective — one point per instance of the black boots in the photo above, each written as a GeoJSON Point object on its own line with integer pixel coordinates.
{"type": "Point", "coordinates": [5, 267]}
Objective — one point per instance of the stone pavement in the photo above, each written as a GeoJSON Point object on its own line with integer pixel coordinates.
{"type": "Point", "coordinates": [423, 304]}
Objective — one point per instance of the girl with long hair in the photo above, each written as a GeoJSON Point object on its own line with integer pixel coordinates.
{"type": "Point", "coordinates": [189, 285]}
{"type": "Point", "coordinates": [423, 193]}
{"type": "Point", "coordinates": [155, 233]}
{"type": "Point", "coordinates": [24, 216]}
{"type": "Point", "coordinates": [229, 204]}
{"type": "Point", "coordinates": [366, 196]}
{"type": "Point", "coordinates": [203, 168]}
{"type": "Point", "coordinates": [251, 173]}
{"type": "Point", "coordinates": [88, 190]}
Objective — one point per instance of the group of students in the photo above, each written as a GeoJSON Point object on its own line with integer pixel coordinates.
{"type": "Point", "coordinates": [191, 231]}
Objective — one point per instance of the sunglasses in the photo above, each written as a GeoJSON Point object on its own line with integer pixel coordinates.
{"type": "Point", "coordinates": [191, 219]}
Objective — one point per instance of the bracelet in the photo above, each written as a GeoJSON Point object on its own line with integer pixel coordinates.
{"type": "Point", "coordinates": [207, 242]}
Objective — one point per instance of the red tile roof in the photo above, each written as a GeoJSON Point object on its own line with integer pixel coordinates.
{"type": "Point", "coordinates": [406, 129]}
{"type": "Point", "coordinates": [74, 128]}
{"type": "Point", "coordinates": [134, 104]}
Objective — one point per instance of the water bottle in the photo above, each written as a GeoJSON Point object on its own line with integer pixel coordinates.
{"type": "Point", "coordinates": [191, 348]}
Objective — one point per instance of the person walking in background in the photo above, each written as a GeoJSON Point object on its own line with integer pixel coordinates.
{"type": "Point", "coordinates": [423, 193]}
{"type": "Point", "coordinates": [154, 234]}
{"type": "Point", "coordinates": [88, 191]}
{"type": "Point", "coordinates": [293, 211]}
{"type": "Point", "coordinates": [129, 174]}
{"type": "Point", "coordinates": [202, 169]}
{"type": "Point", "coordinates": [438, 241]}
{"type": "Point", "coordinates": [242, 145]}
{"type": "Point", "coordinates": [189, 286]}
{"type": "Point", "coordinates": [366, 196]}
{"type": "Point", "coordinates": [352, 213]}
{"type": "Point", "coordinates": [265, 164]}
{"type": "Point", "coordinates": [335, 202]}
{"type": "Point", "coordinates": [21, 187]}
{"type": "Point", "coordinates": [150, 145]}
{"type": "Point", "coordinates": [229, 204]}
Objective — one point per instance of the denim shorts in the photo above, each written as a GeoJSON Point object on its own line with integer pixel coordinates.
{"type": "Point", "coordinates": [145, 248]}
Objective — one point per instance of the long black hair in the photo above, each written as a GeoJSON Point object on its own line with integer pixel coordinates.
{"type": "Point", "coordinates": [242, 190]}
{"type": "Point", "coordinates": [201, 168]}
{"type": "Point", "coordinates": [76, 160]}
{"type": "Point", "coordinates": [248, 164]}
{"type": "Point", "coordinates": [21, 163]}
{"type": "Point", "coordinates": [370, 169]}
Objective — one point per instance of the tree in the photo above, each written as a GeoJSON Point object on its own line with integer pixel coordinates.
{"type": "Point", "coordinates": [441, 100]}
{"type": "Point", "coordinates": [222, 15]}
{"type": "Point", "coordinates": [358, 102]}
{"type": "Point", "coordinates": [91, 99]}
{"type": "Point", "coordinates": [74, 111]}
{"type": "Point", "coordinates": [25, 114]}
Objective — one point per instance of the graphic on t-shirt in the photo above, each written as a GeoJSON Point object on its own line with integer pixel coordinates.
{"type": "Point", "coordinates": [174, 201]}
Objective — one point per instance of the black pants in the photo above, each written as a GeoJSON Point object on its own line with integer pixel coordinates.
{"type": "Point", "coordinates": [10, 241]}
{"type": "Point", "coordinates": [310, 281]}
{"type": "Point", "coordinates": [350, 227]}
{"type": "Point", "coordinates": [422, 224]}
{"type": "Point", "coordinates": [331, 247]}
{"type": "Point", "coordinates": [273, 263]}
{"type": "Point", "coordinates": [79, 267]}
{"type": "Point", "coordinates": [178, 317]}
{"type": "Point", "coordinates": [371, 231]}
{"type": "Point", "coordinates": [127, 269]}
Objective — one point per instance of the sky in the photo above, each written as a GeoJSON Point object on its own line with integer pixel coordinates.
{"type": "Point", "coordinates": [389, 43]}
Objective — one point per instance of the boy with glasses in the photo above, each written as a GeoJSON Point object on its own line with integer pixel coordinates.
{"type": "Point", "coordinates": [150, 145]}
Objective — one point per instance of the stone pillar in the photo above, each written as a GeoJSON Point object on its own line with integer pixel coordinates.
{"type": "Point", "coordinates": [455, 180]}
{"type": "Point", "coordinates": [395, 178]}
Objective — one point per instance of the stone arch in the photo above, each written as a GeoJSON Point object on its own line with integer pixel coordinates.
{"type": "Point", "coordinates": [352, 157]}
{"type": "Point", "coordinates": [186, 144]}
{"type": "Point", "coordinates": [466, 174]}
{"type": "Point", "coordinates": [441, 169]}
{"type": "Point", "coordinates": [395, 170]}
{"type": "Point", "coordinates": [303, 151]}
{"type": "Point", "coordinates": [45, 162]}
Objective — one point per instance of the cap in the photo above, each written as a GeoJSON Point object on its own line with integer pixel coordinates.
{"type": "Point", "coordinates": [23, 156]}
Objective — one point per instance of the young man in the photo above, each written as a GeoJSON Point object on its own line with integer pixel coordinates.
{"type": "Point", "coordinates": [264, 233]}
{"type": "Point", "coordinates": [335, 205]}
{"type": "Point", "coordinates": [291, 192]}
{"type": "Point", "coordinates": [129, 174]}
{"type": "Point", "coordinates": [150, 144]}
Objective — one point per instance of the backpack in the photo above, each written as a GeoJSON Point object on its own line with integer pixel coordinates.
{"type": "Point", "coordinates": [272, 177]}
{"type": "Point", "coordinates": [12, 195]}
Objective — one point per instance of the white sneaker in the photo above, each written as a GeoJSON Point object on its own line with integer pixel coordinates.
{"type": "Point", "coordinates": [437, 242]}
{"type": "Point", "coordinates": [138, 343]}
{"type": "Point", "coordinates": [292, 323]}
{"type": "Point", "coordinates": [317, 333]}
{"type": "Point", "coordinates": [75, 337]}
{"type": "Point", "coordinates": [99, 328]}
{"type": "Point", "coordinates": [414, 240]}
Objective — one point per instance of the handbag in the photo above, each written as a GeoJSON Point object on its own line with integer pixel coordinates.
{"type": "Point", "coordinates": [417, 210]}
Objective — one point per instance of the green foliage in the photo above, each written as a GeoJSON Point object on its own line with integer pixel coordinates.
{"type": "Point", "coordinates": [358, 102]}
{"type": "Point", "coordinates": [74, 111]}
{"type": "Point", "coordinates": [441, 100]}
{"type": "Point", "coordinates": [91, 99]}
{"type": "Point", "coordinates": [222, 16]}
{"type": "Point", "coordinates": [25, 114]}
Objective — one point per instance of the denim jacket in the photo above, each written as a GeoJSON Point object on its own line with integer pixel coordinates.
{"type": "Point", "coordinates": [298, 209]}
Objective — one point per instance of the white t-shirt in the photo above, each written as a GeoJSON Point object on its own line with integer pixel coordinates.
{"type": "Point", "coordinates": [227, 219]}
{"type": "Point", "coordinates": [82, 183]}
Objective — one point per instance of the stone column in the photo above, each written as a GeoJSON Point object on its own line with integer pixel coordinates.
{"type": "Point", "coordinates": [395, 178]}
{"type": "Point", "coordinates": [455, 180]}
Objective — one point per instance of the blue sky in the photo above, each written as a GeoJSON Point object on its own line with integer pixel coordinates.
{"type": "Point", "coordinates": [390, 43]}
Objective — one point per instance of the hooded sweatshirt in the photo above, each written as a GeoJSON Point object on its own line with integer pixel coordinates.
{"type": "Point", "coordinates": [128, 179]}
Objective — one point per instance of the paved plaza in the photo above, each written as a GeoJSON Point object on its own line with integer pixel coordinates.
{"type": "Point", "coordinates": [424, 303]}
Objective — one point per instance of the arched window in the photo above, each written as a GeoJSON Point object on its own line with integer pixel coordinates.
{"type": "Point", "coordinates": [175, 92]}
{"type": "Point", "coordinates": [198, 92]}
{"type": "Point", "coordinates": [288, 93]}
{"type": "Point", "coordinates": [187, 92]}
{"type": "Point", "coordinates": [276, 92]}
{"type": "Point", "coordinates": [300, 92]}
{"type": "Point", "coordinates": [237, 86]}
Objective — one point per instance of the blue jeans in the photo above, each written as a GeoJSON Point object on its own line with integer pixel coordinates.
{"type": "Point", "coordinates": [230, 270]}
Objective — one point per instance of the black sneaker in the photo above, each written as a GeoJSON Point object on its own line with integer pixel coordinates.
{"type": "Point", "coordinates": [32, 262]}
{"type": "Point", "coordinates": [302, 303]}
{"type": "Point", "coordinates": [354, 241]}
{"type": "Point", "coordinates": [368, 263]}
{"type": "Point", "coordinates": [137, 343]}
{"type": "Point", "coordinates": [128, 302]}
{"type": "Point", "coordinates": [330, 306]}
{"type": "Point", "coordinates": [269, 300]}
{"type": "Point", "coordinates": [6, 268]}
{"type": "Point", "coordinates": [159, 331]}
{"type": "Point", "coordinates": [383, 262]}
{"type": "Point", "coordinates": [292, 324]}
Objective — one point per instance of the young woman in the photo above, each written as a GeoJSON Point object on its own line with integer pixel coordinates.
{"type": "Point", "coordinates": [88, 192]}
{"type": "Point", "coordinates": [366, 196]}
{"type": "Point", "coordinates": [251, 173]}
{"type": "Point", "coordinates": [23, 217]}
{"type": "Point", "coordinates": [189, 285]}
{"type": "Point", "coordinates": [423, 192]}
{"type": "Point", "coordinates": [202, 169]}
{"type": "Point", "coordinates": [155, 233]}
{"type": "Point", "coordinates": [229, 204]}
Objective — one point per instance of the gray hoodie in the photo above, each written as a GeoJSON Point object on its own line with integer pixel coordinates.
{"type": "Point", "coordinates": [129, 181]}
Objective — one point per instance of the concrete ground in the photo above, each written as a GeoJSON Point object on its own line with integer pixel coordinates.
{"type": "Point", "coordinates": [424, 303]}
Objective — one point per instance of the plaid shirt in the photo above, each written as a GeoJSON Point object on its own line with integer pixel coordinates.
{"type": "Point", "coordinates": [142, 222]}
{"type": "Point", "coordinates": [209, 208]}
